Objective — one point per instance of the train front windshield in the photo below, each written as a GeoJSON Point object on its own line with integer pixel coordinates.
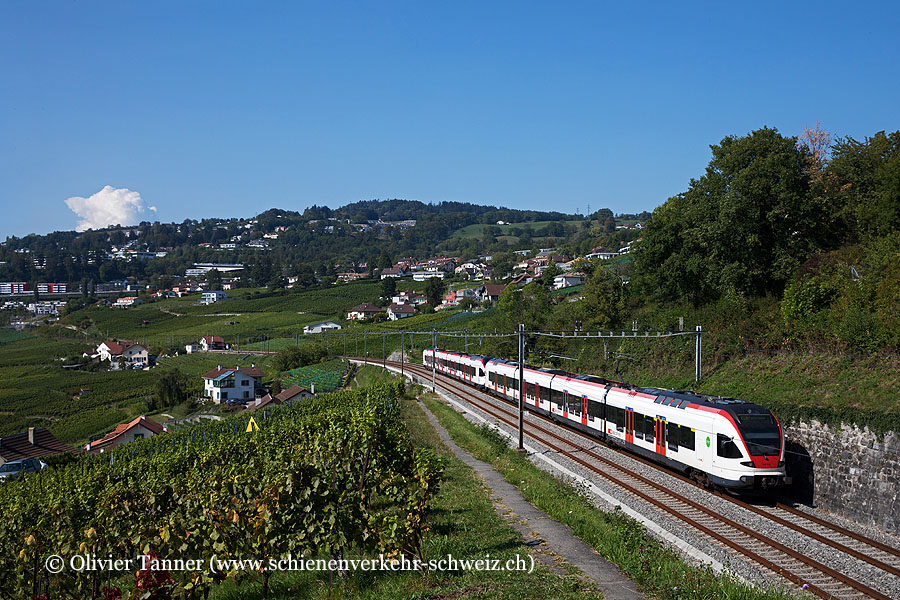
{"type": "Point", "coordinates": [760, 431]}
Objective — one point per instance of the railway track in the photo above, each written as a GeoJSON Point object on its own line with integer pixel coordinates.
{"type": "Point", "coordinates": [804, 569]}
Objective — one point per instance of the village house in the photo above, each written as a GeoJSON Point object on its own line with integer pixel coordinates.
{"type": "Point", "coordinates": [424, 275]}
{"type": "Point", "coordinates": [363, 311]}
{"type": "Point", "coordinates": [408, 297]}
{"type": "Point", "coordinates": [34, 443]}
{"type": "Point", "coordinates": [567, 280]}
{"type": "Point", "coordinates": [395, 271]}
{"type": "Point", "coordinates": [320, 327]}
{"type": "Point", "coordinates": [240, 384]}
{"type": "Point", "coordinates": [292, 394]}
{"type": "Point", "coordinates": [213, 296]}
{"type": "Point", "coordinates": [127, 302]}
{"type": "Point", "coordinates": [400, 311]}
{"type": "Point", "coordinates": [489, 292]}
{"type": "Point", "coordinates": [212, 342]}
{"type": "Point", "coordinates": [130, 354]}
{"type": "Point", "coordinates": [139, 428]}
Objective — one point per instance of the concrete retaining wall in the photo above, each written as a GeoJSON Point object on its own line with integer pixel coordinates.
{"type": "Point", "coordinates": [851, 472]}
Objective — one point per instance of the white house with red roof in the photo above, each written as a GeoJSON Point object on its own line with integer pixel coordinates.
{"type": "Point", "coordinates": [127, 302]}
{"type": "Point", "coordinates": [212, 342]}
{"type": "Point", "coordinates": [139, 428]}
{"type": "Point", "coordinates": [363, 311]}
{"type": "Point", "coordinates": [239, 383]}
{"type": "Point", "coordinates": [399, 311]}
{"type": "Point", "coordinates": [133, 354]}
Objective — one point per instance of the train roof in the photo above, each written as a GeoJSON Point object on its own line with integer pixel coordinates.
{"type": "Point", "coordinates": [734, 406]}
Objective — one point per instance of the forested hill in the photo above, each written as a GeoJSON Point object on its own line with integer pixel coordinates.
{"type": "Point", "coordinates": [285, 242]}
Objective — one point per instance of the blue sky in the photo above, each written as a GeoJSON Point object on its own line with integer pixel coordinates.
{"type": "Point", "coordinates": [221, 109]}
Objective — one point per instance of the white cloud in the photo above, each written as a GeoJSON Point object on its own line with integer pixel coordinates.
{"type": "Point", "coordinates": [109, 206]}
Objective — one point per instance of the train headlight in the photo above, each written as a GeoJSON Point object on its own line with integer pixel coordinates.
{"type": "Point", "coordinates": [746, 478]}
{"type": "Point", "coordinates": [780, 463]}
{"type": "Point", "coordinates": [747, 463]}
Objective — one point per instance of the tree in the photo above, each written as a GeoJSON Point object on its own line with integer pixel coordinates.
{"type": "Point", "coordinates": [743, 227]}
{"type": "Point", "coordinates": [214, 279]}
{"type": "Point", "coordinates": [388, 287]}
{"type": "Point", "coordinates": [170, 390]}
{"type": "Point", "coordinates": [434, 290]}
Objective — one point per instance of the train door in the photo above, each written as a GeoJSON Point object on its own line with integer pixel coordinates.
{"type": "Point", "coordinates": [661, 436]}
{"type": "Point", "coordinates": [565, 404]}
{"type": "Point", "coordinates": [629, 425]}
{"type": "Point", "coordinates": [537, 394]}
{"type": "Point", "coordinates": [584, 410]}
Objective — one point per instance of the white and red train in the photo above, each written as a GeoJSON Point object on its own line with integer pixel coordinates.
{"type": "Point", "coordinates": [723, 442]}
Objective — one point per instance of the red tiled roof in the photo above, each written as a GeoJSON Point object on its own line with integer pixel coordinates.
{"type": "Point", "coordinates": [402, 309]}
{"type": "Point", "coordinates": [150, 424]}
{"type": "Point", "coordinates": [365, 307]}
{"type": "Point", "coordinates": [494, 290]}
{"type": "Point", "coordinates": [213, 339]}
{"type": "Point", "coordinates": [117, 348]}
{"type": "Point", "coordinates": [16, 446]}
{"type": "Point", "coordinates": [248, 371]}
{"type": "Point", "coordinates": [114, 347]}
{"type": "Point", "coordinates": [291, 392]}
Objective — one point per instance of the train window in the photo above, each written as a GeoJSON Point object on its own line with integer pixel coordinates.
{"type": "Point", "coordinates": [481, 372]}
{"type": "Point", "coordinates": [649, 429]}
{"type": "Point", "coordinates": [726, 448]}
{"type": "Point", "coordinates": [638, 426]}
{"type": "Point", "coordinates": [595, 409]}
{"type": "Point", "coordinates": [687, 438]}
{"type": "Point", "coordinates": [557, 397]}
{"type": "Point", "coordinates": [545, 394]}
{"type": "Point", "coordinates": [575, 405]}
{"type": "Point", "coordinates": [672, 436]}
{"type": "Point", "coordinates": [619, 418]}
{"type": "Point", "coordinates": [491, 376]}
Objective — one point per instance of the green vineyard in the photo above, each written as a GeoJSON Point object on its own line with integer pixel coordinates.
{"type": "Point", "coordinates": [325, 376]}
{"type": "Point", "coordinates": [326, 478]}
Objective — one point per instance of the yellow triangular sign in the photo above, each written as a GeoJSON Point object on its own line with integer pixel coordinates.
{"type": "Point", "coordinates": [252, 426]}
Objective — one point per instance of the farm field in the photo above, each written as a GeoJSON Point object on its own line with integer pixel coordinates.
{"type": "Point", "coordinates": [324, 376]}
{"type": "Point", "coordinates": [37, 392]}
{"type": "Point", "coordinates": [247, 316]}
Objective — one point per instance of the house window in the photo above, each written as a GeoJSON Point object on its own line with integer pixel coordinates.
{"type": "Point", "coordinates": [224, 395]}
{"type": "Point", "coordinates": [138, 436]}
{"type": "Point", "coordinates": [246, 394]}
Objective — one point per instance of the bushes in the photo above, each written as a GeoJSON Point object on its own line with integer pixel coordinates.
{"type": "Point", "coordinates": [294, 357]}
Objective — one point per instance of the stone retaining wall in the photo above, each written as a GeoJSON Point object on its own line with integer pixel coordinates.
{"type": "Point", "coordinates": [852, 472]}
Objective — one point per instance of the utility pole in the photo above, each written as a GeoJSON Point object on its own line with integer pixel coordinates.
{"type": "Point", "coordinates": [383, 350]}
{"type": "Point", "coordinates": [345, 343]}
{"type": "Point", "coordinates": [401, 354]}
{"type": "Point", "coordinates": [467, 341]}
{"type": "Point", "coordinates": [698, 354]}
{"type": "Point", "coordinates": [433, 357]}
{"type": "Point", "coordinates": [521, 380]}
{"type": "Point", "coordinates": [366, 346]}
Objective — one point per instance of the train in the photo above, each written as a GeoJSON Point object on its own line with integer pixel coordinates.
{"type": "Point", "coordinates": [720, 442]}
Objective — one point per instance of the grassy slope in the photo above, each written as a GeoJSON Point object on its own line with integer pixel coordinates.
{"type": "Point", "coordinates": [463, 523]}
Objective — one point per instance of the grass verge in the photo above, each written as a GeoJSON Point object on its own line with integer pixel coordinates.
{"type": "Point", "coordinates": [659, 571]}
